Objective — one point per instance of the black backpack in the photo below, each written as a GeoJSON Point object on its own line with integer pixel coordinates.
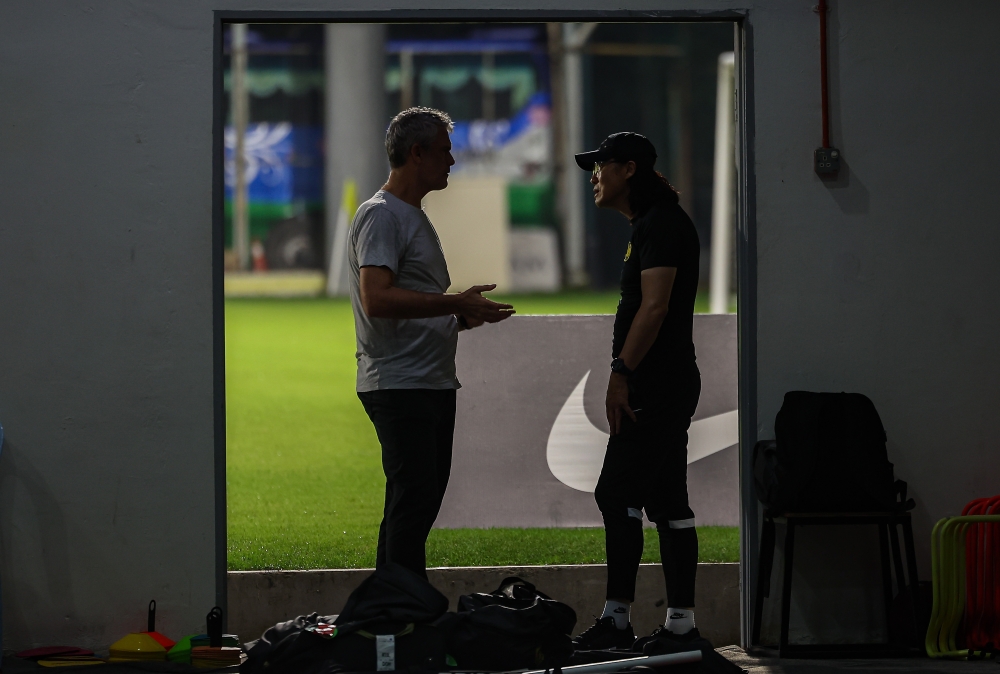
{"type": "Point", "coordinates": [828, 455]}
{"type": "Point", "coordinates": [513, 627]}
{"type": "Point", "coordinates": [392, 602]}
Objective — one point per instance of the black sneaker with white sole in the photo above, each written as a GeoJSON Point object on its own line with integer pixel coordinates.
{"type": "Point", "coordinates": [662, 641]}
{"type": "Point", "coordinates": [603, 635]}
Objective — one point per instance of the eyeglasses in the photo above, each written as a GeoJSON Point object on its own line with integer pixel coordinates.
{"type": "Point", "coordinates": [599, 165]}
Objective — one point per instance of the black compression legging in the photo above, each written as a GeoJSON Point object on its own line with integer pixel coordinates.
{"type": "Point", "coordinates": [645, 468]}
{"type": "Point", "coordinates": [678, 555]}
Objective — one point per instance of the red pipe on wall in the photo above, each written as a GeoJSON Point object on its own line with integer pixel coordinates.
{"type": "Point", "coordinates": [822, 64]}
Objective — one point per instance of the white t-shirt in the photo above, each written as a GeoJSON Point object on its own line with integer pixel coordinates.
{"type": "Point", "coordinates": [401, 353]}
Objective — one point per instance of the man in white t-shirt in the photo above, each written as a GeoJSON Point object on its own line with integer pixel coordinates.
{"type": "Point", "coordinates": [407, 332]}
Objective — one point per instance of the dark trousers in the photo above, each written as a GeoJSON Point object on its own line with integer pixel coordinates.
{"type": "Point", "coordinates": [645, 468]}
{"type": "Point", "coordinates": [415, 428]}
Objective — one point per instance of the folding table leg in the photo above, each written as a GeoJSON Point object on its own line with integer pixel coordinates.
{"type": "Point", "coordinates": [911, 565]}
{"type": "Point", "coordinates": [883, 549]}
{"type": "Point", "coordinates": [764, 563]}
{"type": "Point", "coordinates": [897, 557]}
{"type": "Point", "coordinates": [786, 590]}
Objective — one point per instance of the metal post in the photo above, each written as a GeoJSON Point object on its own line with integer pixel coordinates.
{"type": "Point", "coordinates": [406, 97]}
{"type": "Point", "coordinates": [356, 120]}
{"type": "Point", "coordinates": [489, 93]}
{"type": "Point", "coordinates": [575, 36]}
{"type": "Point", "coordinates": [723, 197]}
{"type": "Point", "coordinates": [240, 105]}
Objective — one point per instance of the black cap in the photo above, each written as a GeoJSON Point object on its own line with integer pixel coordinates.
{"type": "Point", "coordinates": [623, 146]}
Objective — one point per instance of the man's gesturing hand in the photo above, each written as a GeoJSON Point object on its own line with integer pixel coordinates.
{"type": "Point", "coordinates": [475, 307]}
{"type": "Point", "coordinates": [617, 402]}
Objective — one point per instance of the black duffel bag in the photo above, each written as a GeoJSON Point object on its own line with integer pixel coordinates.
{"type": "Point", "coordinates": [513, 627]}
{"type": "Point", "coordinates": [386, 620]}
{"type": "Point", "coordinates": [513, 592]}
{"type": "Point", "coordinates": [828, 455]}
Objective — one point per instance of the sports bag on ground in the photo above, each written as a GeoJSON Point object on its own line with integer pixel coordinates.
{"type": "Point", "coordinates": [394, 592]}
{"type": "Point", "coordinates": [384, 625]}
{"type": "Point", "coordinates": [513, 592]}
{"type": "Point", "coordinates": [828, 455]}
{"type": "Point", "coordinates": [513, 627]}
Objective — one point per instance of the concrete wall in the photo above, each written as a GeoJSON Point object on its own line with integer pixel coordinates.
{"type": "Point", "coordinates": [107, 483]}
{"type": "Point", "coordinates": [259, 599]}
{"type": "Point", "coordinates": [880, 282]}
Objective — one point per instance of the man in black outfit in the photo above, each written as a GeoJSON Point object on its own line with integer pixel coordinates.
{"type": "Point", "coordinates": [652, 392]}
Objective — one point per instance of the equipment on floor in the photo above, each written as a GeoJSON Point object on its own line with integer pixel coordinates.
{"type": "Point", "coordinates": [181, 652]}
{"type": "Point", "coordinates": [211, 650]}
{"type": "Point", "coordinates": [384, 626]}
{"type": "Point", "coordinates": [396, 620]}
{"type": "Point", "coordinates": [513, 592]}
{"type": "Point", "coordinates": [313, 643]}
{"type": "Point", "coordinates": [646, 661]}
{"type": "Point", "coordinates": [965, 558]}
{"type": "Point", "coordinates": [513, 627]}
{"type": "Point", "coordinates": [51, 652]}
{"type": "Point", "coordinates": [161, 639]}
{"type": "Point", "coordinates": [394, 592]}
{"type": "Point", "coordinates": [142, 646]}
{"type": "Point", "coordinates": [137, 647]}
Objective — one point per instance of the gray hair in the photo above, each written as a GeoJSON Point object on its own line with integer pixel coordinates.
{"type": "Point", "coordinates": [413, 126]}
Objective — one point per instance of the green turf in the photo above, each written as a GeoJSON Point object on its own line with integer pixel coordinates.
{"type": "Point", "coordinates": [304, 478]}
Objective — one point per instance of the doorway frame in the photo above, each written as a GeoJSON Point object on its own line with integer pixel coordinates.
{"type": "Point", "coordinates": [746, 227]}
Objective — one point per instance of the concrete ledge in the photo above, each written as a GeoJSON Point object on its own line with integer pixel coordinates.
{"type": "Point", "coordinates": [280, 283]}
{"type": "Point", "coordinates": [259, 599]}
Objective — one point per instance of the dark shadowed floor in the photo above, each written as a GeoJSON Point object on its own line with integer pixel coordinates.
{"type": "Point", "coordinates": [761, 665]}
{"type": "Point", "coordinates": [753, 664]}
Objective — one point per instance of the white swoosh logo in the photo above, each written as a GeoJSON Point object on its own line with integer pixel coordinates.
{"type": "Point", "coordinates": [575, 450]}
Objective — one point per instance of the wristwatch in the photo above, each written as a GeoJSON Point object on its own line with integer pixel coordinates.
{"type": "Point", "coordinates": [618, 365]}
{"type": "Point", "coordinates": [463, 323]}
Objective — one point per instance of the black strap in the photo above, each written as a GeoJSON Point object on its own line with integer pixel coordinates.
{"type": "Point", "coordinates": [902, 504]}
{"type": "Point", "coordinates": [213, 621]}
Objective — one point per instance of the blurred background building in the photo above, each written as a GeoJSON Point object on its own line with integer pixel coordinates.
{"type": "Point", "coordinates": [315, 100]}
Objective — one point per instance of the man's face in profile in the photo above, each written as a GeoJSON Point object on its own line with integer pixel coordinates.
{"type": "Point", "coordinates": [610, 181]}
{"type": "Point", "coordinates": [437, 161]}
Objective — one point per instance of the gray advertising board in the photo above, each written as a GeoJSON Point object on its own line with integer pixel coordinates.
{"type": "Point", "coordinates": [531, 430]}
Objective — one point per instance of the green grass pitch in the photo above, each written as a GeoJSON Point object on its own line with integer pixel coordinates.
{"type": "Point", "coordinates": [305, 483]}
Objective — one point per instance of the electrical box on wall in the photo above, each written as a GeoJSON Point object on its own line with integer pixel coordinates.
{"type": "Point", "coordinates": [826, 160]}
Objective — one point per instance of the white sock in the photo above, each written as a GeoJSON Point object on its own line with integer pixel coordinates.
{"type": "Point", "coordinates": [619, 611]}
{"type": "Point", "coordinates": [679, 620]}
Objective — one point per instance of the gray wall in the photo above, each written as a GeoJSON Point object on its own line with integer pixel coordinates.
{"type": "Point", "coordinates": [882, 282]}
{"type": "Point", "coordinates": [106, 475]}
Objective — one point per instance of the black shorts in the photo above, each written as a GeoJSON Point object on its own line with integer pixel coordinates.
{"type": "Point", "coordinates": [645, 466]}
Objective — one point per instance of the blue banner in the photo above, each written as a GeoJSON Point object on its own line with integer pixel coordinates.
{"type": "Point", "coordinates": [284, 162]}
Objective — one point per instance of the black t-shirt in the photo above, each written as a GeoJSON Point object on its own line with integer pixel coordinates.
{"type": "Point", "coordinates": [663, 236]}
